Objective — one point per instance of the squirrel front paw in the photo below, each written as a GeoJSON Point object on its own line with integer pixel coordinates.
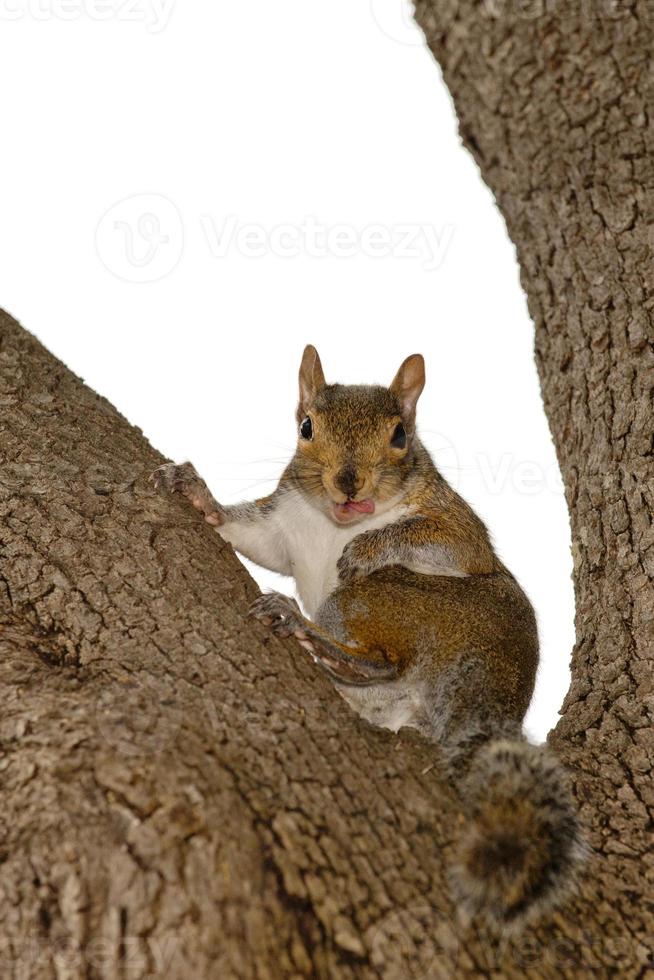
{"type": "Point", "coordinates": [360, 557]}
{"type": "Point", "coordinates": [281, 613]}
{"type": "Point", "coordinates": [183, 478]}
{"type": "Point", "coordinates": [175, 478]}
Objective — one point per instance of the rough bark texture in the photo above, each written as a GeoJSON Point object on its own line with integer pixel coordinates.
{"type": "Point", "coordinates": [183, 794]}
{"type": "Point", "coordinates": [555, 102]}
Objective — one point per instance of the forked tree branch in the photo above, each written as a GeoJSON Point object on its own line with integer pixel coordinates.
{"type": "Point", "coordinates": [183, 795]}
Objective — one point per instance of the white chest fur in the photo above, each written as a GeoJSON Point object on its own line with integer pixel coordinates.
{"type": "Point", "coordinates": [315, 543]}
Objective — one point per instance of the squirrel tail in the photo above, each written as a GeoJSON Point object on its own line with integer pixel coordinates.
{"type": "Point", "coordinates": [522, 844]}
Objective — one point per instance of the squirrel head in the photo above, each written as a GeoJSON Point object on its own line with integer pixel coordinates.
{"type": "Point", "coordinates": [355, 442]}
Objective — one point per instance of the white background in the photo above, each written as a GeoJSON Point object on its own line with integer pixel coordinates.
{"type": "Point", "coordinates": [190, 192]}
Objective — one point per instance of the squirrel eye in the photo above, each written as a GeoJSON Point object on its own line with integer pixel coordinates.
{"type": "Point", "coordinates": [306, 429]}
{"type": "Point", "coordinates": [398, 439]}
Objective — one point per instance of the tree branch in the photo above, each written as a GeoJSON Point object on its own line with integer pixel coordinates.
{"type": "Point", "coordinates": [554, 101]}
{"type": "Point", "coordinates": [184, 795]}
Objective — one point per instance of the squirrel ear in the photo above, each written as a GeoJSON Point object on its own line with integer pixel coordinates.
{"type": "Point", "coordinates": [311, 376]}
{"type": "Point", "coordinates": [408, 384]}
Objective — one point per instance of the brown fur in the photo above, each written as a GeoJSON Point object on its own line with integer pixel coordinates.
{"type": "Point", "coordinates": [361, 418]}
{"type": "Point", "coordinates": [409, 615]}
{"type": "Point", "coordinates": [474, 639]}
{"type": "Point", "coordinates": [456, 641]}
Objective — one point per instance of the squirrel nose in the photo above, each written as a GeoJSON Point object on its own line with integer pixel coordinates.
{"type": "Point", "coordinates": [347, 481]}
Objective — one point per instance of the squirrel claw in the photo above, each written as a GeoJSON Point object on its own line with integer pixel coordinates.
{"type": "Point", "coordinates": [174, 477]}
{"type": "Point", "coordinates": [282, 614]}
{"type": "Point", "coordinates": [352, 669]}
{"type": "Point", "coordinates": [183, 478]}
{"type": "Point", "coordinates": [279, 612]}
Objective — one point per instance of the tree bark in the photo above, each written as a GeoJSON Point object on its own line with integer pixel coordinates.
{"type": "Point", "coordinates": [184, 795]}
{"type": "Point", "coordinates": [554, 100]}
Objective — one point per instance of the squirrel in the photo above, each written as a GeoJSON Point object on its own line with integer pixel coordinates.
{"type": "Point", "coordinates": [415, 619]}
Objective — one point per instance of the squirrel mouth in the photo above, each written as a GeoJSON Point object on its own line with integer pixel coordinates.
{"type": "Point", "coordinates": [352, 507]}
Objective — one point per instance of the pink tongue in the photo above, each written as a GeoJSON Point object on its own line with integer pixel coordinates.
{"type": "Point", "coordinates": [360, 506]}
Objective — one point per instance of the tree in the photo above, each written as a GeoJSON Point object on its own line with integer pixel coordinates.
{"type": "Point", "coordinates": [183, 794]}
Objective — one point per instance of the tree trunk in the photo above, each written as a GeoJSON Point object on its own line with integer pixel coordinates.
{"type": "Point", "coordinates": [184, 795]}
{"type": "Point", "coordinates": [554, 100]}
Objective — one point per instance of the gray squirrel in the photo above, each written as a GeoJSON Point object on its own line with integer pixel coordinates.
{"type": "Point", "coordinates": [416, 621]}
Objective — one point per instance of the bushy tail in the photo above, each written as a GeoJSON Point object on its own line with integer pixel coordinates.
{"type": "Point", "coordinates": [522, 845]}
